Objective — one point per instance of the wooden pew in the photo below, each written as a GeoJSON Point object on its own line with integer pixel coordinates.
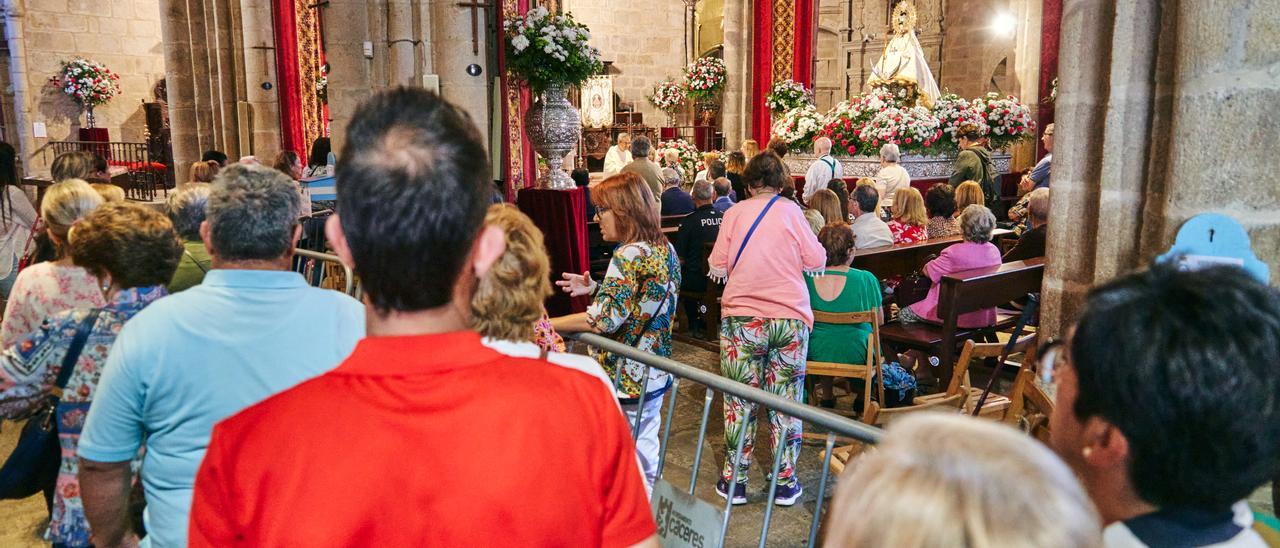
{"type": "Point", "coordinates": [670, 225]}
{"type": "Point", "coordinates": [902, 259]}
{"type": "Point", "coordinates": [963, 292]}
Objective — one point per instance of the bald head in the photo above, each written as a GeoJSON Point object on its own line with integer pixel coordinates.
{"type": "Point", "coordinates": [821, 146]}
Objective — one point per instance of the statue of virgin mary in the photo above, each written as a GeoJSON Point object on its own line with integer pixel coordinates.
{"type": "Point", "coordinates": [903, 64]}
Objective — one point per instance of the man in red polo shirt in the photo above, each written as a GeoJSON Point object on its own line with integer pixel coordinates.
{"type": "Point", "coordinates": [423, 436]}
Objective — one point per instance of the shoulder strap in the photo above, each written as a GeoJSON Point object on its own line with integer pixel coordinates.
{"type": "Point", "coordinates": [752, 230]}
{"type": "Point", "coordinates": [831, 163]}
{"type": "Point", "coordinates": [73, 352]}
{"type": "Point", "coordinates": [194, 260]}
{"type": "Point", "coordinates": [666, 293]}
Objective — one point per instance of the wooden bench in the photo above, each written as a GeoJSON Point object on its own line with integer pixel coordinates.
{"type": "Point", "coordinates": [960, 293]}
{"type": "Point", "coordinates": [902, 259]}
{"type": "Point", "coordinates": [670, 225]}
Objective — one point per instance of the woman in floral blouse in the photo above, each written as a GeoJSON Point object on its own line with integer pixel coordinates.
{"type": "Point", "coordinates": [940, 202]}
{"type": "Point", "coordinates": [131, 252]}
{"type": "Point", "coordinates": [633, 304]}
{"type": "Point", "coordinates": [909, 217]}
{"type": "Point", "coordinates": [44, 289]}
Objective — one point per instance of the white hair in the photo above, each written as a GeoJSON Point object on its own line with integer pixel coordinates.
{"type": "Point", "coordinates": [976, 223]}
{"type": "Point", "coordinates": [822, 145]}
{"type": "Point", "coordinates": [621, 136]}
{"type": "Point", "coordinates": [671, 176]}
{"type": "Point", "coordinates": [889, 153]}
{"type": "Point", "coordinates": [1038, 204]}
{"type": "Point", "coordinates": [940, 479]}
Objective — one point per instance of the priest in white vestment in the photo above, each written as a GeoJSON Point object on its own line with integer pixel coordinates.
{"type": "Point", "coordinates": [619, 155]}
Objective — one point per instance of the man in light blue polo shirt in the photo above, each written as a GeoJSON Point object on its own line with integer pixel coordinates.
{"type": "Point", "coordinates": [253, 328]}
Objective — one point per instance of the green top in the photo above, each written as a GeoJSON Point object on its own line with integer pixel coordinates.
{"type": "Point", "coordinates": [836, 343]}
{"type": "Point", "coordinates": [194, 263]}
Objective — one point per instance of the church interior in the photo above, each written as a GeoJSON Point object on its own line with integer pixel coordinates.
{"type": "Point", "coordinates": [924, 136]}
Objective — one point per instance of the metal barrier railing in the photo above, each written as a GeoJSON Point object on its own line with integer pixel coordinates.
{"type": "Point", "coordinates": [312, 266]}
{"type": "Point", "coordinates": [835, 425]}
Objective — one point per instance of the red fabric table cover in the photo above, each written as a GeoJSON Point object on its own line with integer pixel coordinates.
{"type": "Point", "coordinates": [667, 133]}
{"type": "Point", "coordinates": [562, 217]}
{"type": "Point", "coordinates": [95, 134]}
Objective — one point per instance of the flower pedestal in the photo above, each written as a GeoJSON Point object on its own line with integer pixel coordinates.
{"type": "Point", "coordinates": [553, 126]}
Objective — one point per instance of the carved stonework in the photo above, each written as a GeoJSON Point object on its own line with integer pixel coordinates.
{"type": "Point", "coordinates": [920, 167]}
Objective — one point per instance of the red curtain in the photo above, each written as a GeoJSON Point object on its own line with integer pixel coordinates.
{"type": "Point", "coordinates": [1051, 28]}
{"type": "Point", "coordinates": [285, 23]}
{"type": "Point", "coordinates": [761, 69]}
{"type": "Point", "coordinates": [519, 161]}
{"type": "Point", "coordinates": [802, 60]}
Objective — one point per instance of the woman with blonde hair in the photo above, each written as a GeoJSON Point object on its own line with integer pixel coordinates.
{"type": "Point", "coordinates": [948, 480]}
{"type": "Point", "coordinates": [203, 172]}
{"type": "Point", "coordinates": [110, 193]}
{"type": "Point", "coordinates": [707, 159]}
{"type": "Point", "coordinates": [750, 148]}
{"type": "Point", "coordinates": [967, 194]}
{"type": "Point", "coordinates": [633, 304]}
{"type": "Point", "coordinates": [828, 204]}
{"type": "Point", "coordinates": [909, 217]}
{"type": "Point", "coordinates": [734, 166]}
{"type": "Point", "coordinates": [506, 308]}
{"type": "Point", "coordinates": [47, 288]}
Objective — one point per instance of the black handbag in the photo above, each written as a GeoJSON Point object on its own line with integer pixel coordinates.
{"type": "Point", "coordinates": [33, 465]}
{"type": "Point", "coordinates": [914, 287]}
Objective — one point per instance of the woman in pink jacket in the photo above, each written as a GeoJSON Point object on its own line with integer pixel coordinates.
{"type": "Point", "coordinates": [764, 250]}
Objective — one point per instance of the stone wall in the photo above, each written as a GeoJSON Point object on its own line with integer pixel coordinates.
{"type": "Point", "coordinates": [122, 34]}
{"type": "Point", "coordinates": [645, 41]}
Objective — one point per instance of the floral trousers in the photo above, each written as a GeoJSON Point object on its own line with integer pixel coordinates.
{"type": "Point", "coordinates": [767, 353]}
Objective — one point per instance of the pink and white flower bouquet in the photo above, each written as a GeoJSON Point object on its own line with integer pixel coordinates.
{"type": "Point", "coordinates": [88, 83]}
{"type": "Point", "coordinates": [954, 112]}
{"type": "Point", "coordinates": [1008, 120]}
{"type": "Point", "coordinates": [913, 129]}
{"type": "Point", "coordinates": [669, 97]}
{"type": "Point", "coordinates": [799, 127]}
{"type": "Point", "coordinates": [705, 78]}
{"type": "Point", "coordinates": [788, 95]}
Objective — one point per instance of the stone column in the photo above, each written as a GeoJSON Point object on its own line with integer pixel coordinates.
{"type": "Point", "coordinates": [175, 28]}
{"type": "Point", "coordinates": [400, 43]}
{"type": "Point", "coordinates": [451, 50]}
{"type": "Point", "coordinates": [346, 28]}
{"type": "Point", "coordinates": [1163, 113]}
{"type": "Point", "coordinates": [200, 74]}
{"type": "Point", "coordinates": [736, 111]}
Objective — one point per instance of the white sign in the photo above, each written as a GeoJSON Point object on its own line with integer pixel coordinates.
{"type": "Point", "coordinates": [685, 521]}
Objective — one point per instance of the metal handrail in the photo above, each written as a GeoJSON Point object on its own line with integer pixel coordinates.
{"type": "Point", "coordinates": [326, 257]}
{"type": "Point", "coordinates": [835, 423]}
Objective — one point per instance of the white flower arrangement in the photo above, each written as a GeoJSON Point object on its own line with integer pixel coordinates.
{"type": "Point", "coordinates": [1008, 120]}
{"type": "Point", "coordinates": [705, 78]}
{"type": "Point", "coordinates": [687, 153]}
{"type": "Point", "coordinates": [545, 50]}
{"type": "Point", "coordinates": [787, 95]}
{"type": "Point", "coordinates": [88, 83]}
{"type": "Point", "coordinates": [668, 97]}
{"type": "Point", "coordinates": [799, 126]}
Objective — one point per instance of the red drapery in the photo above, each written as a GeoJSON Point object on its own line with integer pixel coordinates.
{"type": "Point", "coordinates": [802, 69]}
{"type": "Point", "coordinates": [761, 69]}
{"type": "Point", "coordinates": [288, 87]}
{"type": "Point", "coordinates": [519, 162]}
{"type": "Point", "coordinates": [1051, 27]}
{"type": "Point", "coordinates": [763, 46]}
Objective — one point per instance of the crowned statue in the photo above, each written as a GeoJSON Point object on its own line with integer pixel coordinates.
{"type": "Point", "coordinates": [903, 67]}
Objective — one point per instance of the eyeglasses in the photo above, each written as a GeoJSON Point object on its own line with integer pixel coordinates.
{"type": "Point", "coordinates": [1053, 356]}
{"type": "Point", "coordinates": [600, 211]}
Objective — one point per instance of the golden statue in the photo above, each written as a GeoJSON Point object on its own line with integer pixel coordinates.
{"type": "Point", "coordinates": [903, 65]}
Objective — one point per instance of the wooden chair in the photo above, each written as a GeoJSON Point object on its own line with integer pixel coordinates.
{"type": "Point", "coordinates": [996, 404]}
{"type": "Point", "coordinates": [867, 370]}
{"type": "Point", "coordinates": [877, 416]}
{"type": "Point", "coordinates": [1029, 406]}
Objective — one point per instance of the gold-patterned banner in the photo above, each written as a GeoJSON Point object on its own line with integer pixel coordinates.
{"type": "Point", "coordinates": [784, 31]}
{"type": "Point", "coordinates": [310, 58]}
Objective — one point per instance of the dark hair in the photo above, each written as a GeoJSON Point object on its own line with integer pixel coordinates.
{"type": "Point", "coordinates": [640, 147]}
{"type": "Point", "coordinates": [777, 146]}
{"type": "Point", "coordinates": [99, 163]}
{"type": "Point", "coordinates": [765, 170]}
{"type": "Point", "coordinates": [1183, 363]}
{"type": "Point", "coordinates": [136, 245]}
{"type": "Point", "coordinates": [320, 149]}
{"type": "Point", "coordinates": [715, 170]}
{"type": "Point", "coordinates": [214, 156]}
{"type": "Point", "coordinates": [252, 211]}
{"type": "Point", "coordinates": [842, 192]}
{"type": "Point", "coordinates": [940, 201]}
{"type": "Point", "coordinates": [8, 176]}
{"type": "Point", "coordinates": [837, 239]}
{"type": "Point", "coordinates": [581, 177]}
{"type": "Point", "coordinates": [284, 162]}
{"type": "Point", "coordinates": [867, 198]}
{"type": "Point", "coordinates": [413, 188]}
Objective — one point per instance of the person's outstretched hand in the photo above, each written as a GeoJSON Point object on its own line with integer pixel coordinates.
{"type": "Point", "coordinates": [577, 285]}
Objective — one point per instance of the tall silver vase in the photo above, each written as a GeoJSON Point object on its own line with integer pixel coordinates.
{"type": "Point", "coordinates": [553, 126]}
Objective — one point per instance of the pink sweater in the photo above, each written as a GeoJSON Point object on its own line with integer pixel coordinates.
{"type": "Point", "coordinates": [768, 279]}
{"type": "Point", "coordinates": [961, 256]}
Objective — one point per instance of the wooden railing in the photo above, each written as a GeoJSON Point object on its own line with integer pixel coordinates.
{"type": "Point", "coordinates": [144, 176]}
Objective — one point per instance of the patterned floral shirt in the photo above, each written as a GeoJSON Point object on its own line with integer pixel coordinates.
{"type": "Point", "coordinates": [642, 282]}
{"type": "Point", "coordinates": [907, 234]}
{"type": "Point", "coordinates": [942, 227]}
{"type": "Point", "coordinates": [45, 289]}
{"type": "Point", "coordinates": [29, 369]}
{"type": "Point", "coordinates": [545, 336]}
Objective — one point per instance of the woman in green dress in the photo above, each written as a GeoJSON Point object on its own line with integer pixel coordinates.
{"type": "Point", "coordinates": [841, 288]}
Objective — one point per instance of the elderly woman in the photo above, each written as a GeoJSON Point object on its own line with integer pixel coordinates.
{"type": "Point", "coordinates": [976, 251]}
{"type": "Point", "coordinates": [967, 194]}
{"type": "Point", "coordinates": [909, 217]}
{"type": "Point", "coordinates": [763, 252]}
{"type": "Point", "coordinates": [892, 176]}
{"type": "Point", "coordinates": [634, 303]}
{"type": "Point", "coordinates": [828, 204]}
{"type": "Point", "coordinates": [940, 206]}
{"type": "Point", "coordinates": [44, 289]}
{"type": "Point", "coordinates": [946, 480]}
{"type": "Point", "coordinates": [840, 288]}
{"type": "Point", "coordinates": [131, 252]}
{"type": "Point", "coordinates": [186, 210]}
{"type": "Point", "coordinates": [506, 308]}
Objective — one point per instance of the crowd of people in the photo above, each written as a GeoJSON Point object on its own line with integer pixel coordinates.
{"type": "Point", "coordinates": [251, 408]}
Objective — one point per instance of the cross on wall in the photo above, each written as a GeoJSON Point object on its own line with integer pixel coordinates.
{"type": "Point", "coordinates": [475, 5]}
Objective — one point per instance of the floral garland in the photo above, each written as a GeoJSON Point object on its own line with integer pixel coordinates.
{"type": "Point", "coordinates": [668, 97]}
{"type": "Point", "coordinates": [88, 83]}
{"type": "Point", "coordinates": [799, 127]}
{"type": "Point", "coordinates": [686, 152]}
{"type": "Point", "coordinates": [546, 50]}
{"type": "Point", "coordinates": [954, 112]}
{"type": "Point", "coordinates": [788, 95]}
{"type": "Point", "coordinates": [706, 78]}
{"type": "Point", "coordinates": [1008, 120]}
{"type": "Point", "coordinates": [913, 129]}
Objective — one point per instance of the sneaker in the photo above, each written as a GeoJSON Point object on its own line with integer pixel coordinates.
{"type": "Point", "coordinates": [739, 492]}
{"type": "Point", "coordinates": [787, 495]}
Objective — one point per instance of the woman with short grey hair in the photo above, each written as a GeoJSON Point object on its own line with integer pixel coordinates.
{"type": "Point", "coordinates": [977, 223]}
{"type": "Point", "coordinates": [892, 176]}
{"type": "Point", "coordinates": [187, 211]}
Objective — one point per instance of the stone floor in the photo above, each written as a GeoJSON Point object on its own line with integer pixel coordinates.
{"type": "Point", "coordinates": [20, 521]}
